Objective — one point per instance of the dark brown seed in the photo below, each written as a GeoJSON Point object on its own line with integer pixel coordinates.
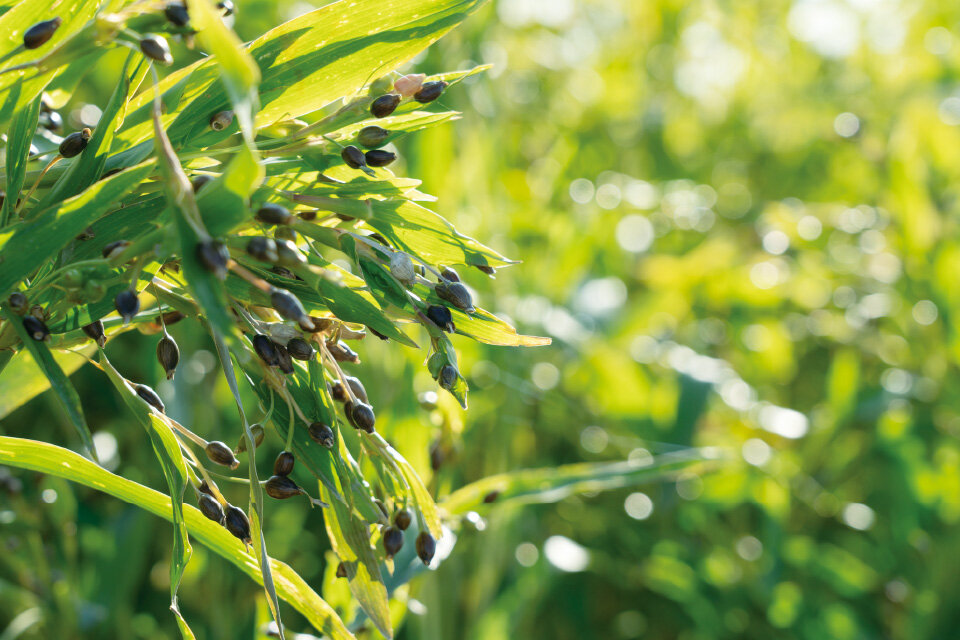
{"type": "Point", "coordinates": [288, 306]}
{"type": "Point", "coordinates": [283, 465]}
{"type": "Point", "coordinates": [40, 33]}
{"type": "Point", "coordinates": [213, 255]}
{"type": "Point", "coordinates": [490, 271]}
{"type": "Point", "coordinates": [266, 349]}
{"type": "Point", "coordinates": [94, 331]}
{"type": "Point", "coordinates": [456, 294]}
{"type": "Point", "coordinates": [177, 14]}
{"type": "Point", "coordinates": [272, 213]}
{"type": "Point", "coordinates": [426, 547]}
{"type": "Point", "coordinates": [226, 6]}
{"type": "Point", "coordinates": [384, 105]}
{"type": "Point", "coordinates": [341, 570]}
{"type": "Point", "coordinates": [383, 508]}
{"type": "Point", "coordinates": [127, 304]}
{"type": "Point", "coordinates": [52, 121]}
{"type": "Point", "coordinates": [402, 519]}
{"type": "Point", "coordinates": [284, 362]}
{"type": "Point", "coordinates": [150, 396]}
{"type": "Point", "coordinates": [281, 488]}
{"type": "Point", "coordinates": [353, 157]}
{"type": "Point", "coordinates": [221, 454]}
{"type": "Point", "coordinates": [288, 255]}
{"type": "Point", "coordinates": [238, 524]}
{"type": "Point", "coordinates": [205, 488]}
{"type": "Point", "coordinates": [18, 302]}
{"type": "Point", "coordinates": [36, 328]}
{"type": "Point", "coordinates": [392, 541]}
{"type": "Point", "coordinates": [211, 508]}
{"type": "Point", "coordinates": [342, 353]}
{"type": "Point", "coordinates": [221, 120]}
{"type": "Point", "coordinates": [156, 48]}
{"type": "Point", "coordinates": [322, 434]}
{"type": "Point", "coordinates": [448, 376]}
{"type": "Point", "coordinates": [430, 91]}
{"type": "Point", "coordinates": [437, 455]}
{"type": "Point", "coordinates": [168, 354]}
{"type": "Point", "coordinates": [112, 249]}
{"type": "Point", "coordinates": [441, 317]}
{"type": "Point", "coordinates": [379, 157]}
{"type": "Point", "coordinates": [75, 143]}
{"type": "Point", "coordinates": [356, 386]}
{"type": "Point", "coordinates": [372, 137]}
{"type": "Point", "coordinates": [300, 349]}
{"type": "Point", "coordinates": [258, 435]}
{"type": "Point", "coordinates": [450, 275]}
{"type": "Point", "coordinates": [199, 181]}
{"type": "Point", "coordinates": [262, 249]}
{"type": "Point", "coordinates": [360, 414]}
{"type": "Point", "coordinates": [491, 497]}
{"type": "Point", "coordinates": [172, 317]}
{"type": "Point", "coordinates": [308, 216]}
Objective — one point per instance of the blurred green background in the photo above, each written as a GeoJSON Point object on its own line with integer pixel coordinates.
{"type": "Point", "coordinates": [739, 224]}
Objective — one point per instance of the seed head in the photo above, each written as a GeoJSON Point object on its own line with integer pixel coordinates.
{"type": "Point", "coordinates": [392, 541]}
{"type": "Point", "coordinates": [340, 395]}
{"type": "Point", "coordinates": [221, 454]}
{"type": "Point", "coordinates": [266, 349]}
{"type": "Point", "coordinates": [342, 353]}
{"type": "Point", "coordinates": [456, 294]}
{"type": "Point", "coordinates": [300, 349]}
{"type": "Point", "coordinates": [168, 354]}
{"type": "Point", "coordinates": [450, 275]}
{"type": "Point", "coordinates": [262, 249]}
{"type": "Point", "coordinates": [272, 213]}
{"type": "Point", "coordinates": [402, 519]}
{"type": "Point", "coordinates": [372, 137]}
{"type": "Point", "coordinates": [283, 465]}
{"type": "Point", "coordinates": [75, 143]}
{"type": "Point", "coordinates": [258, 435]}
{"type": "Point", "coordinates": [36, 328]}
{"type": "Point", "coordinates": [283, 358]}
{"type": "Point", "coordinates": [211, 508]}
{"type": "Point", "coordinates": [213, 255]}
{"type": "Point", "coordinates": [281, 488]}
{"type": "Point", "coordinates": [238, 524]}
{"type": "Point", "coordinates": [430, 91]}
{"type": "Point", "coordinates": [221, 120]}
{"type": "Point", "coordinates": [361, 416]}
{"type": "Point", "coordinates": [288, 255]}
{"type": "Point", "coordinates": [18, 302]}
{"type": "Point", "coordinates": [379, 157]}
{"type": "Point", "coordinates": [127, 304]}
{"type": "Point", "coordinates": [172, 317]}
{"type": "Point", "coordinates": [94, 331]}
{"type": "Point", "coordinates": [384, 105]}
{"type": "Point", "coordinates": [353, 157]}
{"type": "Point", "coordinates": [441, 317]}
{"type": "Point", "coordinates": [426, 547]}
{"type": "Point", "coordinates": [177, 14]}
{"type": "Point", "coordinates": [448, 376]}
{"type": "Point", "coordinates": [156, 48]}
{"type": "Point", "coordinates": [401, 266]}
{"type": "Point", "coordinates": [288, 306]}
{"type": "Point", "coordinates": [40, 33]}
{"type": "Point", "coordinates": [490, 271]}
{"type": "Point", "coordinates": [199, 181]}
{"type": "Point", "coordinates": [150, 396]}
{"type": "Point", "coordinates": [322, 434]}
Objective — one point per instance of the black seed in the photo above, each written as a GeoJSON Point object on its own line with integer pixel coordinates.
{"type": "Point", "coordinates": [36, 328]}
{"type": "Point", "coordinates": [384, 105]}
{"type": "Point", "coordinates": [450, 275]}
{"type": "Point", "coordinates": [199, 181]}
{"type": "Point", "coordinates": [430, 91]}
{"type": "Point", "coordinates": [288, 254]}
{"type": "Point", "coordinates": [168, 354]}
{"type": "Point", "coordinates": [51, 121]}
{"type": "Point", "coordinates": [238, 524]}
{"type": "Point", "coordinates": [377, 333]}
{"type": "Point", "coordinates": [402, 519]}
{"type": "Point", "coordinates": [221, 120]}
{"type": "Point", "coordinates": [94, 331]}
{"type": "Point", "coordinates": [172, 317]}
{"type": "Point", "coordinates": [266, 349]}
{"type": "Point", "coordinates": [283, 358]}
{"type": "Point", "coordinates": [226, 6]}
{"type": "Point", "coordinates": [262, 249]}
{"type": "Point", "coordinates": [272, 213]}
{"type": "Point", "coordinates": [360, 414]}
{"type": "Point", "coordinates": [392, 541]}
{"type": "Point", "coordinates": [342, 353]}
{"type": "Point", "coordinates": [448, 376]}
{"type": "Point", "coordinates": [357, 387]}
{"type": "Point", "coordinates": [177, 14]}
{"type": "Point", "coordinates": [18, 302]}
{"type": "Point", "coordinates": [441, 317]}
{"type": "Point", "coordinates": [426, 547]}
{"type": "Point", "coordinates": [300, 349]}
{"type": "Point", "coordinates": [211, 508]}
{"type": "Point", "coordinates": [283, 465]}
{"type": "Point", "coordinates": [491, 497]}
{"type": "Point", "coordinates": [322, 434]}
{"type": "Point", "coordinates": [341, 570]}
{"type": "Point", "coordinates": [353, 157]}
{"type": "Point", "coordinates": [75, 143]}
{"type": "Point", "coordinates": [40, 33]}
{"type": "Point", "coordinates": [156, 48]}
{"type": "Point", "coordinates": [205, 488]}
{"type": "Point", "coordinates": [221, 454]}
{"type": "Point", "coordinates": [258, 435]}
{"type": "Point", "coordinates": [114, 248]}
{"type": "Point", "coordinates": [456, 294]}
{"type": "Point", "coordinates": [281, 488]}
{"type": "Point", "coordinates": [288, 306]}
{"type": "Point", "coordinates": [213, 255]}
{"type": "Point", "coordinates": [372, 137]}
{"type": "Point", "coordinates": [379, 157]}
{"type": "Point", "coordinates": [490, 271]}
{"type": "Point", "coordinates": [127, 304]}
{"type": "Point", "coordinates": [150, 396]}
